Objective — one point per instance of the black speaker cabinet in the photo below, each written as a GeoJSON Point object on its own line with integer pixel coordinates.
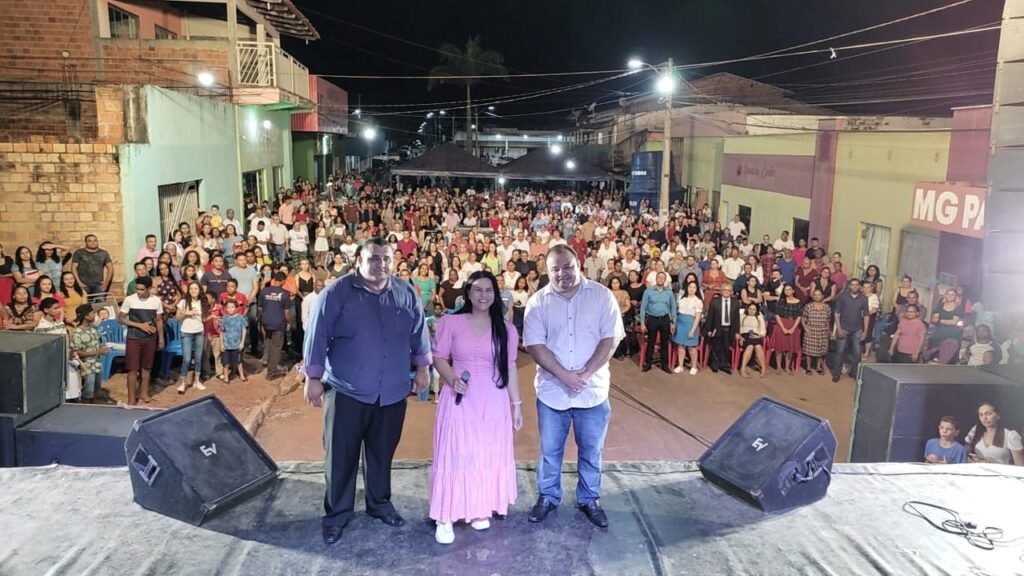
{"type": "Point", "coordinates": [194, 460]}
{"type": "Point", "coordinates": [77, 435]}
{"type": "Point", "coordinates": [774, 457]}
{"type": "Point", "coordinates": [33, 371]}
{"type": "Point", "coordinates": [8, 455]}
{"type": "Point", "coordinates": [898, 406]}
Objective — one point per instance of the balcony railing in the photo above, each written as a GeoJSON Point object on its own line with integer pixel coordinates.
{"type": "Point", "coordinates": [263, 64]}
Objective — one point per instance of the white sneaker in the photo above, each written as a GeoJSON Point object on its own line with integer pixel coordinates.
{"type": "Point", "coordinates": [444, 534]}
{"type": "Point", "coordinates": [181, 387]}
{"type": "Point", "coordinates": [677, 370]}
{"type": "Point", "coordinates": [693, 371]}
{"type": "Point", "coordinates": [480, 524]}
{"type": "Point", "coordinates": [199, 386]}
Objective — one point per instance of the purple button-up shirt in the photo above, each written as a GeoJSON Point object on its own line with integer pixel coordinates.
{"type": "Point", "coordinates": [362, 344]}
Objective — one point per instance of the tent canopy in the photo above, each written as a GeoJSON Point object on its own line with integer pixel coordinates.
{"type": "Point", "coordinates": [446, 160]}
{"type": "Point", "coordinates": [541, 164]}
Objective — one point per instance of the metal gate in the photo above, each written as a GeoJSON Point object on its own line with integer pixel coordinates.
{"type": "Point", "coordinates": [178, 203]}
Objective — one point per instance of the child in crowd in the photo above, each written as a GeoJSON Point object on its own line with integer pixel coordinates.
{"type": "Point", "coordinates": [85, 343]}
{"type": "Point", "coordinates": [945, 449]}
{"type": "Point", "coordinates": [435, 381]}
{"type": "Point", "coordinates": [233, 326]}
{"type": "Point", "coordinates": [213, 348]}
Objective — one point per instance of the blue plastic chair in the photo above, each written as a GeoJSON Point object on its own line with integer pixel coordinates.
{"type": "Point", "coordinates": [172, 346]}
{"type": "Point", "coordinates": [111, 332]}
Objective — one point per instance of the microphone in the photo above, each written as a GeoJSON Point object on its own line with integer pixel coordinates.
{"type": "Point", "coordinates": [465, 378]}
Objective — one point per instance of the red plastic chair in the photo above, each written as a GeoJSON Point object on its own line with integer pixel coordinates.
{"type": "Point", "coordinates": [642, 340]}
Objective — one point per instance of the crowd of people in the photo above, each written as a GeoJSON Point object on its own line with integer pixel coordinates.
{"type": "Point", "coordinates": [466, 279]}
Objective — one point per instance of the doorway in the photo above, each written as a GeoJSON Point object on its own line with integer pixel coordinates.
{"type": "Point", "coordinates": [801, 231]}
{"type": "Point", "coordinates": [179, 203]}
{"type": "Point", "coordinates": [745, 214]}
{"type": "Point", "coordinates": [254, 182]}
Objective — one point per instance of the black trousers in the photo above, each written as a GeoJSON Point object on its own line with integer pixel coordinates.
{"type": "Point", "coordinates": [658, 325]}
{"type": "Point", "coordinates": [274, 347]}
{"type": "Point", "coordinates": [350, 425]}
{"type": "Point", "coordinates": [720, 346]}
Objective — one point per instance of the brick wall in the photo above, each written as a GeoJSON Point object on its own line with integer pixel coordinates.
{"type": "Point", "coordinates": [61, 192]}
{"type": "Point", "coordinates": [35, 34]}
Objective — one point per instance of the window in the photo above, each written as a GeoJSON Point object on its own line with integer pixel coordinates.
{"type": "Point", "coordinates": [873, 248]}
{"type": "Point", "coordinates": [165, 34]}
{"type": "Point", "coordinates": [123, 25]}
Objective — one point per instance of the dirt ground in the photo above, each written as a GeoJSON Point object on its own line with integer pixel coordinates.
{"type": "Point", "coordinates": [651, 414]}
{"type": "Point", "coordinates": [655, 416]}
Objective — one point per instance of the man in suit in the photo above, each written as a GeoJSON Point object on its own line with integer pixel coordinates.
{"type": "Point", "coordinates": [723, 326]}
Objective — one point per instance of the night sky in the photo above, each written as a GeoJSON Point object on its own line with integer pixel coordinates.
{"type": "Point", "coordinates": [563, 36]}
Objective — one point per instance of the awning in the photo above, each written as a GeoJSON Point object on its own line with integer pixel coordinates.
{"type": "Point", "coordinates": [541, 164]}
{"type": "Point", "coordinates": [446, 160]}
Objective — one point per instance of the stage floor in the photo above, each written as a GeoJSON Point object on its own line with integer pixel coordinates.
{"type": "Point", "coordinates": [665, 520]}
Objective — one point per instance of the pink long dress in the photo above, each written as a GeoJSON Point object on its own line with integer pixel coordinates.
{"type": "Point", "coordinates": [474, 470]}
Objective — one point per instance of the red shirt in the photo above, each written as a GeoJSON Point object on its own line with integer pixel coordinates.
{"type": "Point", "coordinates": [239, 299]}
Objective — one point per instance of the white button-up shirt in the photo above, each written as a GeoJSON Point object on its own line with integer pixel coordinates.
{"type": "Point", "coordinates": [571, 330]}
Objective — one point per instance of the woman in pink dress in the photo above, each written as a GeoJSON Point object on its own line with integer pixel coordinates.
{"type": "Point", "coordinates": [474, 470]}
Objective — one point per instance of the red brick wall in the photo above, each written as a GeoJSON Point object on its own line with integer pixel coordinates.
{"type": "Point", "coordinates": [61, 192]}
{"type": "Point", "coordinates": [34, 33]}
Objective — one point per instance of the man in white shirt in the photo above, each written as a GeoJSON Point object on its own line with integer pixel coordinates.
{"type": "Point", "coordinates": [571, 329]}
{"type": "Point", "coordinates": [278, 239]}
{"type": "Point", "coordinates": [258, 216]}
{"type": "Point", "coordinates": [505, 251]}
{"type": "Point", "coordinates": [520, 243]}
{"type": "Point", "coordinates": [229, 218]}
{"type": "Point", "coordinates": [737, 228]}
{"type": "Point", "coordinates": [262, 236]}
{"type": "Point", "coordinates": [745, 247]}
{"type": "Point", "coordinates": [783, 242]}
{"type": "Point", "coordinates": [732, 266]}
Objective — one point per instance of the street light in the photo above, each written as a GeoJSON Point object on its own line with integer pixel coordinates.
{"type": "Point", "coordinates": [205, 79]}
{"type": "Point", "coordinates": [443, 112]}
{"type": "Point", "coordinates": [666, 86]}
{"type": "Point", "coordinates": [490, 108]}
{"type": "Point", "coordinates": [267, 125]}
{"type": "Point", "coordinates": [501, 180]}
{"type": "Point", "coordinates": [571, 165]}
{"type": "Point", "coordinates": [369, 134]}
{"type": "Point", "coordinates": [556, 149]}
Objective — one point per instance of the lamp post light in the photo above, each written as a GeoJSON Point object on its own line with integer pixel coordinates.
{"type": "Point", "coordinates": [205, 79]}
{"type": "Point", "coordinates": [666, 86]}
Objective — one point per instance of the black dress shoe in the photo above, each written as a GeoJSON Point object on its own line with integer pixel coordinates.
{"type": "Point", "coordinates": [714, 369]}
{"type": "Point", "coordinates": [645, 369]}
{"type": "Point", "coordinates": [666, 370]}
{"type": "Point", "coordinates": [391, 519]}
{"type": "Point", "coordinates": [726, 370]}
{"type": "Point", "coordinates": [332, 534]}
{"type": "Point", "coordinates": [594, 513]}
{"type": "Point", "coordinates": [541, 509]}
{"type": "Point", "coordinates": [835, 377]}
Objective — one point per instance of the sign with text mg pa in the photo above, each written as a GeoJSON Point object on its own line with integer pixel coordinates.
{"type": "Point", "coordinates": [950, 207]}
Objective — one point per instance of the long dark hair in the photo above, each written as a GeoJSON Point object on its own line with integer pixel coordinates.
{"type": "Point", "coordinates": [979, 430]}
{"type": "Point", "coordinates": [76, 287]}
{"type": "Point", "coordinates": [499, 332]}
{"type": "Point", "coordinates": [41, 255]}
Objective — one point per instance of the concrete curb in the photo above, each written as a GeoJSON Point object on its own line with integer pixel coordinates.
{"type": "Point", "coordinates": [258, 414]}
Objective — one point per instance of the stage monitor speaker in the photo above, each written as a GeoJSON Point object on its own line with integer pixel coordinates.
{"type": "Point", "coordinates": [774, 457]}
{"type": "Point", "coordinates": [77, 435]}
{"type": "Point", "coordinates": [193, 460]}
{"type": "Point", "coordinates": [33, 370]}
{"type": "Point", "coordinates": [898, 406]}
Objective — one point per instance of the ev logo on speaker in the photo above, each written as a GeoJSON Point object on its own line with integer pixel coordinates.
{"type": "Point", "coordinates": [759, 444]}
{"type": "Point", "coordinates": [210, 450]}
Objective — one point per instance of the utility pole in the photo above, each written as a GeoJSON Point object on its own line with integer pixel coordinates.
{"type": "Point", "coordinates": [666, 156]}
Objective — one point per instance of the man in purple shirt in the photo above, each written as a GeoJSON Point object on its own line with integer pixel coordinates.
{"type": "Point", "coordinates": [365, 330]}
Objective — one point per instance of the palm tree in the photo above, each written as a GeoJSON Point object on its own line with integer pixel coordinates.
{"type": "Point", "coordinates": [460, 67]}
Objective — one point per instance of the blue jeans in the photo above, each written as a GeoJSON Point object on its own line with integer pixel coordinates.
{"type": "Point", "coordinates": [191, 349]}
{"type": "Point", "coordinates": [277, 253]}
{"type": "Point", "coordinates": [589, 427]}
{"type": "Point", "coordinates": [848, 345]}
{"type": "Point", "coordinates": [90, 384]}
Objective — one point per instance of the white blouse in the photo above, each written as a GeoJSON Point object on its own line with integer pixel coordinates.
{"type": "Point", "coordinates": [1000, 454]}
{"type": "Point", "coordinates": [689, 306]}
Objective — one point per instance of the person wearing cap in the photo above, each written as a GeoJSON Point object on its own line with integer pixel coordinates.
{"type": "Point", "coordinates": [87, 347]}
